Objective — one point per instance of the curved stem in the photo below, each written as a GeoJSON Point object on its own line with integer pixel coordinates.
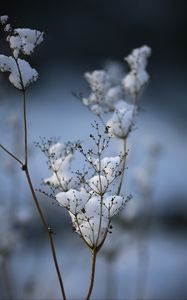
{"type": "Point", "coordinates": [123, 167]}
{"type": "Point", "coordinates": [92, 274]}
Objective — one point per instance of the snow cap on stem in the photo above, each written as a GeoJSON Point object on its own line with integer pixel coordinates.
{"type": "Point", "coordinates": [138, 76]}
{"type": "Point", "coordinates": [21, 41]}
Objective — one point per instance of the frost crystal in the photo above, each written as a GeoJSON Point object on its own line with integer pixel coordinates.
{"type": "Point", "coordinates": [21, 73]}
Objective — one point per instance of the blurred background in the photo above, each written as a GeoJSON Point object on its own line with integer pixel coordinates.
{"type": "Point", "coordinates": [145, 257]}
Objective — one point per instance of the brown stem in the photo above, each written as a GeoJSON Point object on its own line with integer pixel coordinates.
{"type": "Point", "coordinates": [123, 166]}
{"type": "Point", "coordinates": [92, 274]}
{"type": "Point", "coordinates": [25, 127]}
{"type": "Point", "coordinates": [46, 227]}
{"type": "Point", "coordinates": [48, 230]}
{"type": "Point", "coordinates": [12, 155]}
{"type": "Point", "coordinates": [26, 170]}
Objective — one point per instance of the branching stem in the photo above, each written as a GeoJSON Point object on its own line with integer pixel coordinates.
{"type": "Point", "coordinates": [25, 168]}
{"type": "Point", "coordinates": [46, 227]}
{"type": "Point", "coordinates": [12, 155]}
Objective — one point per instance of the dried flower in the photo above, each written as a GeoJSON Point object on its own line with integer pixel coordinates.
{"type": "Point", "coordinates": [138, 76]}
{"type": "Point", "coordinates": [21, 41]}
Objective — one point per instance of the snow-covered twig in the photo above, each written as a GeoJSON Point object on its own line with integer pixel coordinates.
{"type": "Point", "coordinates": [21, 75]}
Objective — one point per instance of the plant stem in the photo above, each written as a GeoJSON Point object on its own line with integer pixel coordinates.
{"type": "Point", "coordinates": [12, 155]}
{"type": "Point", "coordinates": [92, 274]}
{"type": "Point", "coordinates": [123, 167]}
{"type": "Point", "coordinates": [46, 227]}
{"type": "Point", "coordinates": [26, 170]}
{"type": "Point", "coordinates": [25, 127]}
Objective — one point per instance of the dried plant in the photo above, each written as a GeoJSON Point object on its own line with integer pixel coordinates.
{"type": "Point", "coordinates": [22, 42]}
{"type": "Point", "coordinates": [92, 194]}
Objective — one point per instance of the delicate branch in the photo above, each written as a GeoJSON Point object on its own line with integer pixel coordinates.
{"type": "Point", "coordinates": [47, 228]}
{"type": "Point", "coordinates": [25, 127]}
{"type": "Point", "coordinates": [48, 231]}
{"type": "Point", "coordinates": [101, 192]}
{"type": "Point", "coordinates": [92, 275]}
{"type": "Point", "coordinates": [21, 82]}
{"type": "Point", "coordinates": [81, 232]}
{"type": "Point", "coordinates": [123, 166]}
{"type": "Point", "coordinates": [12, 155]}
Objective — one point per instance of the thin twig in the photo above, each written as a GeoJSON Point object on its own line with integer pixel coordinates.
{"type": "Point", "coordinates": [26, 170]}
{"type": "Point", "coordinates": [123, 166]}
{"type": "Point", "coordinates": [46, 227]}
{"type": "Point", "coordinates": [101, 194]}
{"type": "Point", "coordinates": [25, 127]}
{"type": "Point", "coordinates": [12, 155]}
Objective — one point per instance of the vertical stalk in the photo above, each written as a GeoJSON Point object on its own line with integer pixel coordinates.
{"type": "Point", "coordinates": [25, 127]}
{"type": "Point", "coordinates": [92, 274]}
{"type": "Point", "coordinates": [46, 227]}
{"type": "Point", "coordinates": [24, 166]}
{"type": "Point", "coordinates": [123, 166]}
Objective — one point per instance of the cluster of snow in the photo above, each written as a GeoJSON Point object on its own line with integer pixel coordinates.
{"type": "Point", "coordinates": [60, 164]}
{"type": "Point", "coordinates": [90, 203]}
{"type": "Point", "coordinates": [103, 93]}
{"type": "Point", "coordinates": [121, 121]}
{"type": "Point", "coordinates": [21, 41]}
{"type": "Point", "coordinates": [108, 166]}
{"type": "Point", "coordinates": [21, 73]}
{"type": "Point", "coordinates": [109, 92]}
{"type": "Point", "coordinates": [138, 75]}
{"type": "Point", "coordinates": [73, 200]}
{"type": "Point", "coordinates": [24, 40]}
{"type": "Point", "coordinates": [91, 214]}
